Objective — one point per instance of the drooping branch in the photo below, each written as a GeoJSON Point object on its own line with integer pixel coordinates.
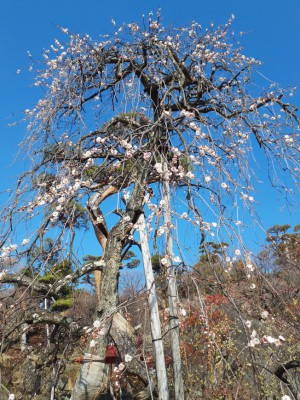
{"type": "Point", "coordinates": [37, 317]}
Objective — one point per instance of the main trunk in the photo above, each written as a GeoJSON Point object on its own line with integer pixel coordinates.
{"type": "Point", "coordinates": [93, 374]}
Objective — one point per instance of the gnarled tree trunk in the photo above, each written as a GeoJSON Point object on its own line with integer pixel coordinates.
{"type": "Point", "coordinates": [92, 378]}
{"type": "Point", "coordinates": [93, 374]}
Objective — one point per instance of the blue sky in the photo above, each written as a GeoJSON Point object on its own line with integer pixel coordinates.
{"type": "Point", "coordinates": [272, 30]}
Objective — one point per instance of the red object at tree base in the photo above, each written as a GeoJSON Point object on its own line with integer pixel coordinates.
{"type": "Point", "coordinates": [111, 354]}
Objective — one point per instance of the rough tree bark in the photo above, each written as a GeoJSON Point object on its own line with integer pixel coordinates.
{"type": "Point", "coordinates": [93, 374]}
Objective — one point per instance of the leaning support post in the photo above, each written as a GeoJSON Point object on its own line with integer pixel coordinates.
{"type": "Point", "coordinates": [161, 373]}
{"type": "Point", "coordinates": [172, 289]}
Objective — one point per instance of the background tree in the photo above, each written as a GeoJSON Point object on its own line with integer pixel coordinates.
{"type": "Point", "coordinates": [284, 246]}
{"type": "Point", "coordinates": [127, 114]}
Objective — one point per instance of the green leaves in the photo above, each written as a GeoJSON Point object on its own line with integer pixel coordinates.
{"type": "Point", "coordinates": [62, 304]}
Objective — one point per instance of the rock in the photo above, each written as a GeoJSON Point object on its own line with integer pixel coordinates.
{"type": "Point", "coordinates": [70, 374]}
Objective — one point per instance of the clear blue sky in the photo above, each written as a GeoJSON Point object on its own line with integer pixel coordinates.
{"type": "Point", "coordinates": [273, 34]}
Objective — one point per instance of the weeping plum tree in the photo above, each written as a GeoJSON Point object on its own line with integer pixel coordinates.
{"type": "Point", "coordinates": [146, 110]}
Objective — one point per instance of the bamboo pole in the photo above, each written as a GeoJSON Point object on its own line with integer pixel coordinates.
{"type": "Point", "coordinates": [172, 289]}
{"type": "Point", "coordinates": [162, 381]}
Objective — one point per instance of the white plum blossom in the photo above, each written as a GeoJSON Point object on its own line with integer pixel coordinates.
{"type": "Point", "coordinates": [129, 153]}
{"type": "Point", "coordinates": [6, 250]}
{"type": "Point", "coordinates": [147, 155]}
{"type": "Point", "coordinates": [207, 179]}
{"type": "Point", "coordinates": [264, 314]}
{"type": "Point", "coordinates": [92, 343]}
{"type": "Point", "coordinates": [97, 324]}
{"type": "Point", "coordinates": [3, 274]}
{"type": "Point", "coordinates": [127, 358]}
{"type": "Point", "coordinates": [89, 163]}
{"type": "Point", "coordinates": [55, 214]}
{"type": "Point", "coordinates": [154, 25]}
{"type": "Point", "coordinates": [288, 139]}
{"type": "Point", "coordinates": [167, 114]}
{"type": "Point", "coordinates": [250, 267]}
{"type": "Point", "coordinates": [87, 154]}
{"type": "Point", "coordinates": [190, 175]}
{"type": "Point", "coordinates": [121, 367]}
{"type": "Point", "coordinates": [253, 342]}
{"type": "Point", "coordinates": [253, 334]}
{"type": "Point", "coordinates": [158, 167]}
{"type": "Point", "coordinates": [126, 195]}
{"type": "Point", "coordinates": [183, 312]}
{"type": "Point", "coordinates": [126, 145]}
{"type": "Point", "coordinates": [187, 114]}
{"type": "Point", "coordinates": [160, 231]}
{"type": "Point", "coordinates": [248, 323]}
{"type": "Point", "coordinates": [237, 252]}
{"type": "Point", "coordinates": [24, 242]}
{"type": "Point", "coordinates": [224, 185]}
{"type": "Point", "coordinates": [76, 185]}
{"type": "Point", "coordinates": [270, 339]}
{"type": "Point", "coordinates": [177, 259]}
{"type": "Point", "coordinates": [252, 286]}
{"type": "Point", "coordinates": [193, 126]}
{"type": "Point", "coordinates": [164, 261]}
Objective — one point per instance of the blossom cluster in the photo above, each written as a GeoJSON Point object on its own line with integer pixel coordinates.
{"type": "Point", "coordinates": [7, 250]}
{"type": "Point", "coordinates": [265, 339]}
